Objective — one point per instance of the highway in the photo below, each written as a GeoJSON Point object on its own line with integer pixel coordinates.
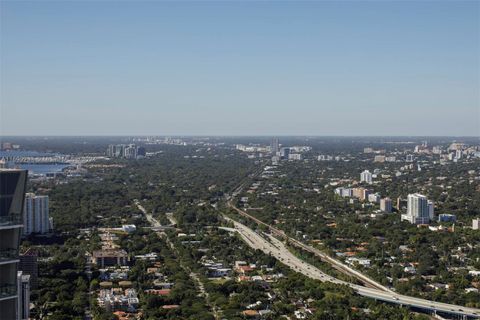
{"type": "Point", "coordinates": [324, 257]}
{"type": "Point", "coordinates": [278, 250]}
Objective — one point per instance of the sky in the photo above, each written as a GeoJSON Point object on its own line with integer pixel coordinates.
{"type": "Point", "coordinates": [240, 68]}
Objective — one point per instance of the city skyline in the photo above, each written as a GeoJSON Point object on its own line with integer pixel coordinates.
{"type": "Point", "coordinates": [240, 69]}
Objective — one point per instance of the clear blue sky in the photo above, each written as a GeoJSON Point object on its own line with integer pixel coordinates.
{"type": "Point", "coordinates": [240, 68]}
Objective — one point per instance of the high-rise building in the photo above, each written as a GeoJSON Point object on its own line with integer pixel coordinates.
{"type": "Point", "coordinates": [130, 152]}
{"type": "Point", "coordinates": [366, 176]}
{"type": "Point", "coordinates": [386, 205]}
{"type": "Point", "coordinates": [275, 146]}
{"type": "Point", "coordinates": [141, 152]}
{"type": "Point", "coordinates": [23, 289]}
{"type": "Point", "coordinates": [360, 193]}
{"type": "Point", "coordinates": [419, 209]}
{"type": "Point", "coordinates": [12, 195]}
{"type": "Point", "coordinates": [284, 153]}
{"type": "Point", "coordinates": [35, 214]}
{"type": "Point", "coordinates": [29, 265]}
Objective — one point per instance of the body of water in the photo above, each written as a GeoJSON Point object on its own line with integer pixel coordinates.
{"type": "Point", "coordinates": [33, 168]}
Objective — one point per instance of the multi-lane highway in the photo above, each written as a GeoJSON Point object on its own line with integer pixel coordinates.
{"type": "Point", "coordinates": [333, 262]}
{"type": "Point", "coordinates": [276, 248]}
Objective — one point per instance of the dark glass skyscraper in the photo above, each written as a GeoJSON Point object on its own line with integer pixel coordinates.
{"type": "Point", "coordinates": [12, 196]}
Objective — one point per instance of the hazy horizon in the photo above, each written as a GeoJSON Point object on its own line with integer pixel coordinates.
{"type": "Point", "coordinates": [240, 69]}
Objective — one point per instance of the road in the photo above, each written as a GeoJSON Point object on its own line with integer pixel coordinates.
{"type": "Point", "coordinates": [155, 223]}
{"type": "Point", "coordinates": [277, 249]}
{"type": "Point", "coordinates": [323, 256]}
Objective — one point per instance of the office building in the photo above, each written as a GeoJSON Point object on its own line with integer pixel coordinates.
{"type": "Point", "coordinates": [29, 265]}
{"type": "Point", "coordinates": [366, 176]}
{"type": "Point", "coordinates": [12, 195]}
{"type": "Point", "coordinates": [419, 209]}
{"type": "Point", "coordinates": [35, 214]}
{"type": "Point", "coordinates": [23, 289]}
{"type": "Point", "coordinates": [379, 158]}
{"type": "Point", "coordinates": [386, 205]}
{"type": "Point", "coordinates": [409, 158]}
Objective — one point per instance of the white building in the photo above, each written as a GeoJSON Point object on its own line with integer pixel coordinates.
{"type": "Point", "coordinates": [295, 156]}
{"type": "Point", "coordinates": [344, 192]}
{"type": "Point", "coordinates": [476, 224]}
{"type": "Point", "coordinates": [374, 198]}
{"type": "Point", "coordinates": [129, 228]}
{"type": "Point", "coordinates": [366, 176]}
{"type": "Point", "coordinates": [419, 209]}
{"type": "Point", "coordinates": [35, 214]}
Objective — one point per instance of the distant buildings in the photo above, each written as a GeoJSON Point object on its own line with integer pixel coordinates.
{"type": "Point", "coordinates": [379, 158]}
{"type": "Point", "coordinates": [360, 193]}
{"type": "Point", "coordinates": [386, 205]}
{"type": "Point", "coordinates": [125, 151]}
{"type": "Point", "coordinates": [419, 209]}
{"type": "Point", "coordinates": [35, 214]}
{"type": "Point", "coordinates": [12, 195]}
{"type": "Point", "coordinates": [409, 158]}
{"type": "Point", "coordinates": [323, 157]}
{"type": "Point", "coordinates": [366, 176]}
